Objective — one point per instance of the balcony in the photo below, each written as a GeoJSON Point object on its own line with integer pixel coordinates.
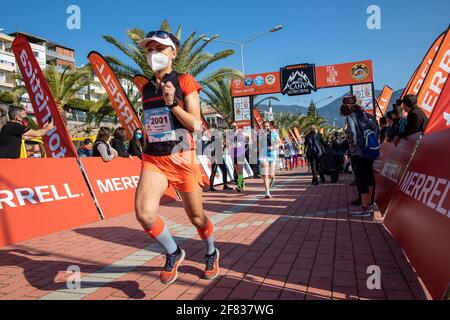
{"type": "Point", "coordinates": [54, 55]}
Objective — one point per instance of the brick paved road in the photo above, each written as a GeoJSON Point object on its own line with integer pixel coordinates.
{"type": "Point", "coordinates": [299, 245]}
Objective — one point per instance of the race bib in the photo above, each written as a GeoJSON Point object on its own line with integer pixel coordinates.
{"type": "Point", "coordinates": [159, 125]}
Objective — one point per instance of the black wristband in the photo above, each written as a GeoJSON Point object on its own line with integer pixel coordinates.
{"type": "Point", "coordinates": [174, 104]}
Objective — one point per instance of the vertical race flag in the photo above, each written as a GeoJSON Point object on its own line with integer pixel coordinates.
{"type": "Point", "coordinates": [383, 101]}
{"type": "Point", "coordinates": [416, 81]}
{"type": "Point", "coordinates": [436, 77]}
{"type": "Point", "coordinates": [119, 100]}
{"type": "Point", "coordinates": [440, 118]}
{"type": "Point", "coordinates": [298, 135]}
{"type": "Point", "coordinates": [57, 141]}
{"type": "Point", "coordinates": [257, 119]}
{"type": "Point", "coordinates": [140, 81]}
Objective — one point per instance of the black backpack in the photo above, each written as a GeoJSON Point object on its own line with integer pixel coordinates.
{"type": "Point", "coordinates": [314, 150]}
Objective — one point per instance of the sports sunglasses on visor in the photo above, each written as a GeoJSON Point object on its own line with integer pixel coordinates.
{"type": "Point", "coordinates": [160, 34]}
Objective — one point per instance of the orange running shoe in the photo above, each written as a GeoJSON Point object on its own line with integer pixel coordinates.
{"type": "Point", "coordinates": [170, 271]}
{"type": "Point", "coordinates": [212, 265]}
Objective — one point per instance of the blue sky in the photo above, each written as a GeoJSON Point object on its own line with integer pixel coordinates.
{"type": "Point", "coordinates": [320, 32]}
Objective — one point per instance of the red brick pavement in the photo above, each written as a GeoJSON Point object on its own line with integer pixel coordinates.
{"type": "Point", "coordinates": [299, 245]}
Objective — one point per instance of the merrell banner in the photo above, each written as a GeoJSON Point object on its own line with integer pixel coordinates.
{"type": "Point", "coordinates": [114, 184]}
{"type": "Point", "coordinates": [42, 196]}
{"type": "Point", "coordinates": [125, 112]}
{"type": "Point", "coordinates": [436, 78]}
{"type": "Point", "coordinates": [390, 167]}
{"type": "Point", "coordinates": [57, 141]}
{"type": "Point", "coordinates": [419, 213]}
{"type": "Point", "coordinates": [419, 76]}
{"type": "Point", "coordinates": [383, 101]}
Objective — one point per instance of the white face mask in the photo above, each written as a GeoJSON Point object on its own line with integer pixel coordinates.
{"type": "Point", "coordinates": [157, 60]}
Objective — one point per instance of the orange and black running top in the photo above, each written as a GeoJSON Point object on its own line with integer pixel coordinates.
{"type": "Point", "coordinates": [161, 125]}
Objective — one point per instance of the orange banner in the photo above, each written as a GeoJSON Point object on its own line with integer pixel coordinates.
{"type": "Point", "coordinates": [416, 82]}
{"type": "Point", "coordinates": [408, 86]}
{"type": "Point", "coordinates": [293, 137]}
{"type": "Point", "coordinates": [119, 100]}
{"type": "Point", "coordinates": [440, 118]}
{"type": "Point", "coordinates": [114, 184]}
{"type": "Point", "coordinates": [34, 204]}
{"type": "Point", "coordinates": [344, 74]}
{"type": "Point", "coordinates": [57, 142]}
{"type": "Point", "coordinates": [383, 101]}
{"type": "Point", "coordinates": [257, 119]}
{"type": "Point", "coordinates": [298, 135]}
{"type": "Point", "coordinates": [255, 84]}
{"type": "Point", "coordinates": [140, 81]}
{"type": "Point", "coordinates": [436, 78]}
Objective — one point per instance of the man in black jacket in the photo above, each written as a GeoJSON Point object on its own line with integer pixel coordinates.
{"type": "Point", "coordinates": [417, 119]}
{"type": "Point", "coordinates": [314, 147]}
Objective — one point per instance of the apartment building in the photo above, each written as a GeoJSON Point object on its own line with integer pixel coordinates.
{"type": "Point", "coordinates": [49, 52]}
{"type": "Point", "coordinates": [212, 117]}
{"type": "Point", "coordinates": [7, 64]}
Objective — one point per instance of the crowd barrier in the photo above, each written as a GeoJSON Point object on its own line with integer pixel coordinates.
{"type": "Point", "coordinates": [419, 212]}
{"type": "Point", "coordinates": [42, 196]}
{"type": "Point", "coordinates": [114, 184]}
{"type": "Point", "coordinates": [218, 180]}
{"type": "Point", "coordinates": [389, 169]}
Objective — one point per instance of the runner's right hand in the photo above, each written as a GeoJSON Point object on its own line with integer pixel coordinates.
{"type": "Point", "coordinates": [49, 126]}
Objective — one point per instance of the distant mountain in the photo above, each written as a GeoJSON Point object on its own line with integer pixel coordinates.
{"type": "Point", "coordinates": [329, 111]}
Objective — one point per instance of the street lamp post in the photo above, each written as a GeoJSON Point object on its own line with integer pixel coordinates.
{"type": "Point", "coordinates": [242, 44]}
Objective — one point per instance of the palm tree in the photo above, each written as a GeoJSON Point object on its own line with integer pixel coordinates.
{"type": "Point", "coordinates": [65, 85]}
{"type": "Point", "coordinates": [13, 97]}
{"type": "Point", "coordinates": [218, 96]}
{"type": "Point", "coordinates": [270, 98]}
{"type": "Point", "coordinates": [191, 57]}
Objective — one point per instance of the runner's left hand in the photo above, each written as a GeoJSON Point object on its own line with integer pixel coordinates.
{"type": "Point", "coordinates": [168, 91]}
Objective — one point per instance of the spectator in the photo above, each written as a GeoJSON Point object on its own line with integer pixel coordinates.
{"type": "Point", "coordinates": [356, 122]}
{"type": "Point", "coordinates": [383, 131]}
{"type": "Point", "coordinates": [101, 146]}
{"type": "Point", "coordinates": [118, 143]}
{"type": "Point", "coordinates": [282, 155]}
{"type": "Point", "coordinates": [136, 145]}
{"type": "Point", "coordinates": [238, 155]}
{"type": "Point", "coordinates": [217, 163]}
{"type": "Point", "coordinates": [85, 151]}
{"type": "Point", "coordinates": [339, 146]}
{"type": "Point", "coordinates": [294, 154]}
{"type": "Point", "coordinates": [417, 120]}
{"type": "Point", "coordinates": [329, 163]}
{"type": "Point", "coordinates": [15, 130]}
{"type": "Point", "coordinates": [314, 147]}
{"type": "Point", "coordinates": [393, 119]}
{"type": "Point", "coordinates": [34, 149]}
